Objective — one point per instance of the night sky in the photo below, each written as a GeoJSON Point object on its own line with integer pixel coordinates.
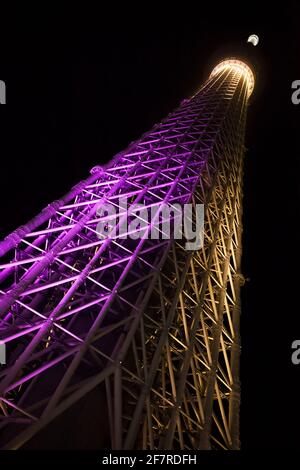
{"type": "Point", "coordinates": [80, 91]}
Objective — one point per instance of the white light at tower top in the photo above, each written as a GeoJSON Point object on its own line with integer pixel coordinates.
{"type": "Point", "coordinates": [254, 39]}
{"type": "Point", "coordinates": [239, 67]}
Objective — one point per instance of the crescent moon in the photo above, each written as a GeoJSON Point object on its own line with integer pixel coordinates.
{"type": "Point", "coordinates": [254, 39]}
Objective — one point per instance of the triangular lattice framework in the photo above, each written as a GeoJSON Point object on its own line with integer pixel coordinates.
{"type": "Point", "coordinates": [153, 324]}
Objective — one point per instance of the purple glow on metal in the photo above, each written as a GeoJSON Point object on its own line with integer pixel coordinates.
{"type": "Point", "coordinates": [70, 302]}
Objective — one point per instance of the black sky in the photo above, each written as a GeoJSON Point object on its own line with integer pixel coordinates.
{"type": "Point", "coordinates": [80, 91]}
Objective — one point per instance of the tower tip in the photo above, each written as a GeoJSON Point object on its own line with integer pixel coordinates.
{"type": "Point", "coordinates": [238, 66]}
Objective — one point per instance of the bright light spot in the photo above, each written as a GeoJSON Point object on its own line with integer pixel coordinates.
{"type": "Point", "coordinates": [237, 66]}
{"type": "Point", "coordinates": [253, 39]}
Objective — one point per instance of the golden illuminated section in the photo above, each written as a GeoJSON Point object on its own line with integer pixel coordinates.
{"type": "Point", "coordinates": [237, 66]}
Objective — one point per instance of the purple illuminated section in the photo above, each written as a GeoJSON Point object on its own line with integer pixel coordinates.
{"type": "Point", "coordinates": [70, 302]}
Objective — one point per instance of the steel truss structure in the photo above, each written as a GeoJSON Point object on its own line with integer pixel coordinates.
{"type": "Point", "coordinates": [155, 327]}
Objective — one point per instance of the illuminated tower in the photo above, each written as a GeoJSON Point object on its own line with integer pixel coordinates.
{"type": "Point", "coordinates": [151, 326]}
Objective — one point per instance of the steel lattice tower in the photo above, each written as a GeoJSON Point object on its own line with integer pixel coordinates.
{"type": "Point", "coordinates": [152, 327]}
